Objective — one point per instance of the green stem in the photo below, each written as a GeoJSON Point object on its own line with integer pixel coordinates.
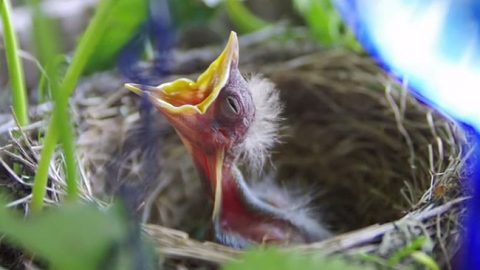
{"type": "Point", "coordinates": [19, 96]}
{"type": "Point", "coordinates": [41, 177]}
{"type": "Point", "coordinates": [86, 47]}
{"type": "Point", "coordinates": [61, 121]}
{"type": "Point", "coordinates": [67, 136]}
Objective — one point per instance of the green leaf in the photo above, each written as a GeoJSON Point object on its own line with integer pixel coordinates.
{"type": "Point", "coordinates": [272, 259]}
{"type": "Point", "coordinates": [242, 18]}
{"type": "Point", "coordinates": [321, 18]}
{"type": "Point", "coordinates": [190, 12]}
{"type": "Point", "coordinates": [420, 243]}
{"type": "Point", "coordinates": [125, 18]}
{"type": "Point", "coordinates": [425, 260]}
{"type": "Point", "coordinates": [325, 24]}
{"type": "Point", "coordinates": [74, 236]}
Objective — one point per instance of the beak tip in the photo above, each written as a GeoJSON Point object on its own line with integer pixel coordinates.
{"type": "Point", "coordinates": [233, 35]}
{"type": "Point", "coordinates": [135, 88]}
{"type": "Point", "coordinates": [233, 44]}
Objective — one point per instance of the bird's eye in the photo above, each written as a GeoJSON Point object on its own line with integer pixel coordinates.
{"type": "Point", "coordinates": [231, 105]}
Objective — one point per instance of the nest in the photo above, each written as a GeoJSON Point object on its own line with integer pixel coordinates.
{"type": "Point", "coordinates": [379, 167]}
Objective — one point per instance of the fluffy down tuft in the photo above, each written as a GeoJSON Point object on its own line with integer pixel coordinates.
{"type": "Point", "coordinates": [263, 134]}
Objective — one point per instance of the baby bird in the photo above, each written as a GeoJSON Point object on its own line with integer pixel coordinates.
{"type": "Point", "coordinates": [222, 119]}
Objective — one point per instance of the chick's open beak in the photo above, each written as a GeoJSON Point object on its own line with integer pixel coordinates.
{"type": "Point", "coordinates": [185, 103]}
{"type": "Point", "coordinates": [186, 96]}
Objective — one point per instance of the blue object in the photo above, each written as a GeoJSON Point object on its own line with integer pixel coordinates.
{"type": "Point", "coordinates": [159, 31]}
{"type": "Point", "coordinates": [435, 46]}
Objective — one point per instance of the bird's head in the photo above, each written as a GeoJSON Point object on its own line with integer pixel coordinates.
{"type": "Point", "coordinates": [214, 115]}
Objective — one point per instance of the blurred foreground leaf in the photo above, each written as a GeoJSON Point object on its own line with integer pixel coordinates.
{"type": "Point", "coordinates": [276, 260]}
{"type": "Point", "coordinates": [73, 236]}
{"type": "Point", "coordinates": [124, 21]}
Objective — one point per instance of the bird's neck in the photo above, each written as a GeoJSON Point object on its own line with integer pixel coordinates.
{"type": "Point", "coordinates": [242, 214]}
{"type": "Point", "coordinates": [234, 188]}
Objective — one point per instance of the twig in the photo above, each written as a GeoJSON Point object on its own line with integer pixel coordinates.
{"type": "Point", "coordinates": [177, 244]}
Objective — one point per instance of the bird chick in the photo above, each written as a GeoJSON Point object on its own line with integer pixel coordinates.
{"type": "Point", "coordinates": [222, 118]}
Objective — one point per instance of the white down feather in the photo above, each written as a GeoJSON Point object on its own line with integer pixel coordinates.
{"type": "Point", "coordinates": [263, 133]}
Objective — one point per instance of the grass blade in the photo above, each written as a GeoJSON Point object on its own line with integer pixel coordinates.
{"type": "Point", "coordinates": [46, 40]}
{"type": "Point", "coordinates": [41, 177]}
{"type": "Point", "coordinates": [61, 121]}
{"type": "Point", "coordinates": [15, 67]}
{"type": "Point", "coordinates": [87, 45]}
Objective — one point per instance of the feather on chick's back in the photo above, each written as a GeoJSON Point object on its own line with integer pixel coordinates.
{"type": "Point", "coordinates": [263, 133]}
{"type": "Point", "coordinates": [261, 137]}
{"type": "Point", "coordinates": [296, 207]}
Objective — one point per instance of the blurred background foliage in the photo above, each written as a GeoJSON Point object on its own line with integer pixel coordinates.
{"type": "Point", "coordinates": [119, 28]}
{"type": "Point", "coordinates": [194, 23]}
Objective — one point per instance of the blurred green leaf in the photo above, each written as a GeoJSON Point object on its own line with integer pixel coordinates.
{"type": "Point", "coordinates": [326, 24]}
{"type": "Point", "coordinates": [125, 18]}
{"type": "Point", "coordinates": [276, 260]}
{"type": "Point", "coordinates": [321, 19]}
{"type": "Point", "coordinates": [425, 260]}
{"type": "Point", "coordinates": [242, 18]}
{"type": "Point", "coordinates": [420, 243]}
{"type": "Point", "coordinates": [375, 259]}
{"type": "Point", "coordinates": [73, 236]}
{"type": "Point", "coordinates": [188, 12]}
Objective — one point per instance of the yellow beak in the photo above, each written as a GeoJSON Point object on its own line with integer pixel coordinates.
{"type": "Point", "coordinates": [184, 96]}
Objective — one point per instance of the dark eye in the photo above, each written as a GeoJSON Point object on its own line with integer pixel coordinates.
{"type": "Point", "coordinates": [231, 105]}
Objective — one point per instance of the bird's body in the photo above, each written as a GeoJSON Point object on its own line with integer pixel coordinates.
{"type": "Point", "coordinates": [255, 215]}
{"type": "Point", "coordinates": [223, 119]}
